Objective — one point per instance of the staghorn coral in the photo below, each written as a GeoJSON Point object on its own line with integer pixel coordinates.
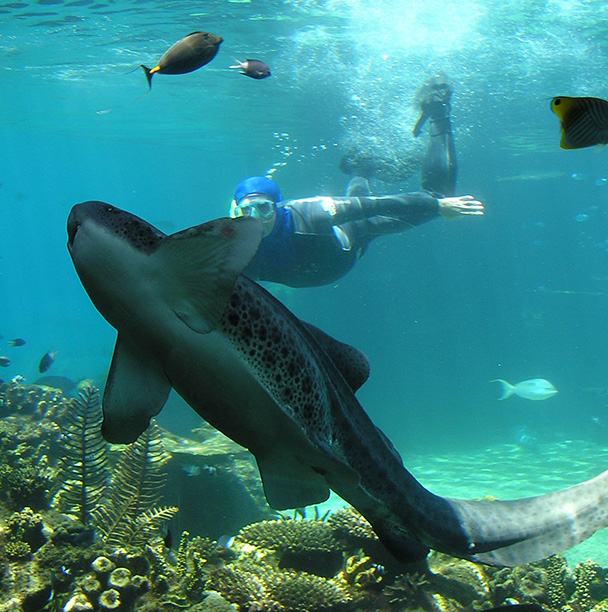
{"type": "Point", "coordinates": [301, 545]}
{"type": "Point", "coordinates": [361, 572]}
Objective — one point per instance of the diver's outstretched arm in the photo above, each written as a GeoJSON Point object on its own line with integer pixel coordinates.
{"type": "Point", "coordinates": [455, 207]}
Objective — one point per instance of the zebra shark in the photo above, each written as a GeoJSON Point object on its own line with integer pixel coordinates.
{"type": "Point", "coordinates": [188, 319]}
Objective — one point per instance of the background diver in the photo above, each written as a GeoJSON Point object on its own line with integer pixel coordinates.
{"type": "Point", "coordinates": [315, 241]}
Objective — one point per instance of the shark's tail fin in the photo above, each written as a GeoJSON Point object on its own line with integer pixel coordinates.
{"type": "Point", "coordinates": [526, 530]}
{"type": "Point", "coordinates": [507, 388]}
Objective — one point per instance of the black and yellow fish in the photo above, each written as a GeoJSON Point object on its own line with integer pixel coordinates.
{"type": "Point", "coordinates": [584, 121]}
{"type": "Point", "coordinates": [186, 55]}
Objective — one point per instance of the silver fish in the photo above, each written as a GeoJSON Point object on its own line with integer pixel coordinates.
{"type": "Point", "coordinates": [533, 389]}
{"type": "Point", "coordinates": [188, 319]}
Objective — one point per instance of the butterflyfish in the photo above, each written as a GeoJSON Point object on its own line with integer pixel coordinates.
{"type": "Point", "coordinates": [584, 121]}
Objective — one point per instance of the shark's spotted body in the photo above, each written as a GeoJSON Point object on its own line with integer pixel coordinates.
{"type": "Point", "coordinates": [187, 319]}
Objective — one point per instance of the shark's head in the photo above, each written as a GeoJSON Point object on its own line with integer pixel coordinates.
{"type": "Point", "coordinates": [99, 216]}
{"type": "Point", "coordinates": [158, 292]}
{"type": "Point", "coordinates": [108, 246]}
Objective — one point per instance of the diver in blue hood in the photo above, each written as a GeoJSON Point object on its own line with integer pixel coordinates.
{"type": "Point", "coordinates": [315, 241]}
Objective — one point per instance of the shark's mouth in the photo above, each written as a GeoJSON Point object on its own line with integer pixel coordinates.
{"type": "Point", "coordinates": [73, 227]}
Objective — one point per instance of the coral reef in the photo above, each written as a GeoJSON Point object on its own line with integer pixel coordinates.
{"type": "Point", "coordinates": [307, 546]}
{"type": "Point", "coordinates": [100, 546]}
{"type": "Point", "coordinates": [36, 400]}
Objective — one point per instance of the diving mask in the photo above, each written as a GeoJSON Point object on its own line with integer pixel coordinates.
{"type": "Point", "coordinates": [258, 206]}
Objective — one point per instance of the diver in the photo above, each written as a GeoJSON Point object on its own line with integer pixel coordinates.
{"type": "Point", "coordinates": [315, 241]}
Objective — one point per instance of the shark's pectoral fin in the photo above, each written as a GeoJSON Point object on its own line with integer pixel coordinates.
{"type": "Point", "coordinates": [351, 362]}
{"type": "Point", "coordinates": [292, 481]}
{"type": "Point", "coordinates": [136, 390]}
{"type": "Point", "coordinates": [290, 484]}
{"type": "Point", "coordinates": [199, 266]}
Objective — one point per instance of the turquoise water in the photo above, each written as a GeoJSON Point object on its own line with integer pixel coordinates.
{"type": "Point", "coordinates": [439, 311]}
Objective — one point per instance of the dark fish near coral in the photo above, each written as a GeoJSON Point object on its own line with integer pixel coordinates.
{"type": "Point", "coordinates": [47, 361]}
{"type": "Point", "coordinates": [584, 121]}
{"type": "Point", "coordinates": [188, 319]}
{"type": "Point", "coordinates": [4, 362]}
{"type": "Point", "coordinates": [186, 55]}
{"type": "Point", "coordinates": [253, 68]}
{"type": "Point", "coordinates": [17, 342]}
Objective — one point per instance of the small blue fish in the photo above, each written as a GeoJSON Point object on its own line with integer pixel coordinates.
{"type": "Point", "coordinates": [581, 217]}
{"type": "Point", "coordinates": [17, 342]}
{"type": "Point", "coordinates": [533, 389]}
{"type": "Point", "coordinates": [5, 362]}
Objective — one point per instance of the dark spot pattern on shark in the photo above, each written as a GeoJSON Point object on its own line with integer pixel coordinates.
{"type": "Point", "coordinates": [188, 319]}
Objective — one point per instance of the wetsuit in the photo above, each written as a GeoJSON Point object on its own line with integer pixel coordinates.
{"type": "Point", "coordinates": [316, 241]}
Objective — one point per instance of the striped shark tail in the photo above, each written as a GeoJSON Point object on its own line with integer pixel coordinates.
{"type": "Point", "coordinates": [507, 388]}
{"type": "Point", "coordinates": [508, 533]}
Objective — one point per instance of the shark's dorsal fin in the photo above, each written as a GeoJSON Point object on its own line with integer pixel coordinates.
{"type": "Point", "coordinates": [136, 390]}
{"type": "Point", "coordinates": [200, 265]}
{"type": "Point", "coordinates": [351, 362]}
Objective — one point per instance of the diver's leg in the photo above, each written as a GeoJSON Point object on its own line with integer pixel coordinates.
{"type": "Point", "coordinates": [439, 169]}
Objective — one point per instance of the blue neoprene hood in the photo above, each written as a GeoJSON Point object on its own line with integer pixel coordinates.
{"type": "Point", "coordinates": [259, 185]}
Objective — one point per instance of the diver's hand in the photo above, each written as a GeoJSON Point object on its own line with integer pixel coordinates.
{"type": "Point", "coordinates": [453, 208]}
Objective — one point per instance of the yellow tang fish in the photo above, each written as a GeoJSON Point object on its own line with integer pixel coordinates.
{"type": "Point", "coordinates": [584, 121]}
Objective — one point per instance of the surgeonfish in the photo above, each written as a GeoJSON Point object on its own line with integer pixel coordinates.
{"type": "Point", "coordinates": [255, 69]}
{"type": "Point", "coordinates": [186, 55]}
{"type": "Point", "coordinates": [533, 389]}
{"type": "Point", "coordinates": [189, 319]}
{"type": "Point", "coordinates": [584, 121]}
